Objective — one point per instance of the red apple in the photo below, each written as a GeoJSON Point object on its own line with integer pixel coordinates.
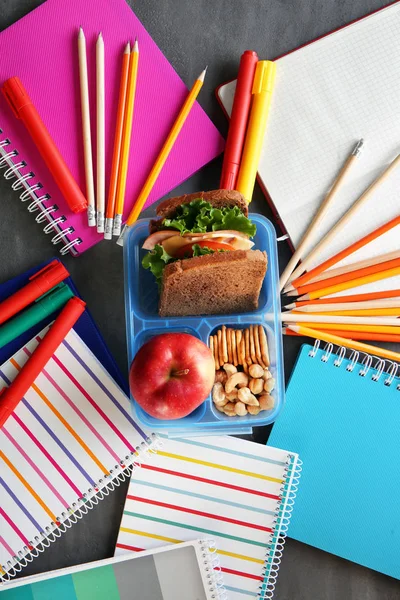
{"type": "Point", "coordinates": [171, 375]}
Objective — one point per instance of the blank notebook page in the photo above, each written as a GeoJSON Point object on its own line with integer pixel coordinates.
{"type": "Point", "coordinates": [328, 95]}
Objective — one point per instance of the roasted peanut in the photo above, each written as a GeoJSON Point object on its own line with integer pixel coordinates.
{"type": "Point", "coordinates": [269, 384]}
{"type": "Point", "coordinates": [245, 396]}
{"type": "Point", "coordinates": [229, 369]}
{"type": "Point", "coordinates": [266, 375]}
{"type": "Point", "coordinates": [256, 386]}
{"type": "Point", "coordinates": [240, 409]}
{"type": "Point", "coordinates": [253, 410]}
{"type": "Point", "coordinates": [229, 409]}
{"type": "Point", "coordinates": [220, 376]}
{"type": "Point", "coordinates": [256, 371]}
{"type": "Point", "coordinates": [237, 379]}
{"type": "Point", "coordinates": [266, 402]}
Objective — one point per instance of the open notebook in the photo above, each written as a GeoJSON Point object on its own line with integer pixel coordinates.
{"type": "Point", "coordinates": [67, 444]}
{"type": "Point", "coordinates": [329, 94]}
{"type": "Point", "coordinates": [239, 493]}
{"type": "Point", "coordinates": [343, 417]}
{"type": "Point", "coordinates": [42, 50]}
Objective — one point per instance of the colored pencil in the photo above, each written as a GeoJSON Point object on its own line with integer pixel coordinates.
{"type": "Point", "coordinates": [164, 153]}
{"type": "Point", "coordinates": [355, 312]}
{"type": "Point", "coordinates": [312, 229]}
{"type": "Point", "coordinates": [333, 260]}
{"type": "Point", "coordinates": [350, 298]}
{"type": "Point", "coordinates": [310, 318]}
{"type": "Point", "coordinates": [119, 125]}
{"type": "Point", "coordinates": [355, 335]}
{"type": "Point", "coordinates": [339, 306]}
{"type": "Point", "coordinates": [340, 341]}
{"type": "Point", "coordinates": [361, 264]}
{"type": "Point", "coordinates": [387, 329]}
{"type": "Point", "coordinates": [333, 289]}
{"type": "Point", "coordinates": [350, 276]}
{"type": "Point", "coordinates": [101, 141]}
{"type": "Point", "coordinates": [126, 138]}
{"type": "Point", "coordinates": [345, 219]}
{"type": "Point", "coordinates": [86, 132]}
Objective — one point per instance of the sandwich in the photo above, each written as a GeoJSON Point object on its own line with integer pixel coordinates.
{"type": "Point", "coordinates": [200, 251]}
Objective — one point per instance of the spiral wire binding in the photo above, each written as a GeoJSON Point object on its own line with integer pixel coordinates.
{"type": "Point", "coordinates": [81, 507]}
{"type": "Point", "coordinates": [32, 192]}
{"type": "Point", "coordinates": [366, 362]}
{"type": "Point", "coordinates": [212, 567]}
{"type": "Point", "coordinates": [283, 514]}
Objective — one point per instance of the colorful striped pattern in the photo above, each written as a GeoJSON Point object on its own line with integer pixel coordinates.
{"type": "Point", "coordinates": [60, 443]}
{"type": "Point", "coordinates": [224, 488]}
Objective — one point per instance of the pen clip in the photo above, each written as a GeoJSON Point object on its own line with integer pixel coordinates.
{"type": "Point", "coordinates": [47, 268]}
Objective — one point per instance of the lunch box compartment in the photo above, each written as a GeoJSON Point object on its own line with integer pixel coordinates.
{"type": "Point", "coordinates": [143, 322]}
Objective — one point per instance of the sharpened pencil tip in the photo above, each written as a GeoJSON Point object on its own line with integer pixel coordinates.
{"type": "Point", "coordinates": [81, 33]}
{"type": "Point", "coordinates": [291, 293]}
{"type": "Point", "coordinates": [289, 306]}
{"type": "Point", "coordinates": [288, 288]}
{"type": "Point", "coordinates": [135, 46]}
{"type": "Point", "coordinates": [202, 74]}
{"type": "Point", "coordinates": [127, 49]}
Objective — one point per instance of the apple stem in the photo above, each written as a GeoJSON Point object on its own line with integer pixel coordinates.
{"type": "Point", "coordinates": [180, 373]}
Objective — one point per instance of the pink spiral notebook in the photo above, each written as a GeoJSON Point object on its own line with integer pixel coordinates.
{"type": "Point", "coordinates": [41, 49]}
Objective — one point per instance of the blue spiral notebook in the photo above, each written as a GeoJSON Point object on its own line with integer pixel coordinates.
{"type": "Point", "coordinates": [342, 415]}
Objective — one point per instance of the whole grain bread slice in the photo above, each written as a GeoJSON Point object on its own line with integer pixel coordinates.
{"type": "Point", "coordinates": [223, 282]}
{"type": "Point", "coordinates": [218, 198]}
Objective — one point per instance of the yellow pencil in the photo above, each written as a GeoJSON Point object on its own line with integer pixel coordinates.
{"type": "Point", "coordinates": [351, 327]}
{"type": "Point", "coordinates": [263, 85]}
{"type": "Point", "coordinates": [164, 153]}
{"type": "Point", "coordinates": [126, 139]}
{"type": "Point", "coordinates": [340, 341]}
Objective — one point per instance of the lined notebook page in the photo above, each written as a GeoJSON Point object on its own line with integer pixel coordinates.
{"type": "Point", "coordinates": [328, 95]}
{"type": "Point", "coordinates": [219, 487]}
{"type": "Point", "coordinates": [62, 444]}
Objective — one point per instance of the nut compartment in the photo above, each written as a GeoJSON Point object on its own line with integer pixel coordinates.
{"type": "Point", "coordinates": [142, 321]}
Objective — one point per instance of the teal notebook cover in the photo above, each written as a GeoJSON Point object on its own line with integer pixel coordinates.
{"type": "Point", "coordinates": [346, 428]}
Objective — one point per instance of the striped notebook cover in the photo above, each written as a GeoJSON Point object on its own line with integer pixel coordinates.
{"type": "Point", "coordinates": [239, 493]}
{"type": "Point", "coordinates": [68, 442]}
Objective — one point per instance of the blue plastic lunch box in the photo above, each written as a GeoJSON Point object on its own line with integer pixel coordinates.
{"type": "Point", "coordinates": [143, 322]}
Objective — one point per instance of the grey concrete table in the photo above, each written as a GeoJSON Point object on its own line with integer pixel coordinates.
{"type": "Point", "coordinates": [192, 34]}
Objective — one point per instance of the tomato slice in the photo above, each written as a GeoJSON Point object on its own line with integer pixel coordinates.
{"type": "Point", "coordinates": [187, 251]}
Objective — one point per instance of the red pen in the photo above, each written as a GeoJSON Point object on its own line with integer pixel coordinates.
{"type": "Point", "coordinates": [40, 283]}
{"type": "Point", "coordinates": [11, 396]}
{"type": "Point", "coordinates": [238, 121]}
{"type": "Point", "coordinates": [23, 109]}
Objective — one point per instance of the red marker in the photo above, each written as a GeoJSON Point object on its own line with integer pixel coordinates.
{"type": "Point", "coordinates": [40, 283]}
{"type": "Point", "coordinates": [238, 122]}
{"type": "Point", "coordinates": [11, 396]}
{"type": "Point", "coordinates": [23, 109]}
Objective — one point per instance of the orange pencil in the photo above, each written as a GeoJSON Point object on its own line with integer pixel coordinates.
{"type": "Point", "coordinates": [395, 330]}
{"type": "Point", "coordinates": [334, 289]}
{"type": "Point", "coordinates": [346, 252]}
{"type": "Point", "coordinates": [355, 335]}
{"type": "Point", "coordinates": [112, 192]}
{"type": "Point", "coordinates": [350, 276]}
{"type": "Point", "coordinates": [350, 298]}
{"type": "Point", "coordinates": [360, 312]}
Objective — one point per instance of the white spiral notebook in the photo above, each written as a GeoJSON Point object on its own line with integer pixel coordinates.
{"type": "Point", "coordinates": [70, 441]}
{"type": "Point", "coordinates": [329, 94]}
{"type": "Point", "coordinates": [239, 493]}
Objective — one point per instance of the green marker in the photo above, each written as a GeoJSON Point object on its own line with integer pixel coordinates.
{"type": "Point", "coordinates": [42, 308]}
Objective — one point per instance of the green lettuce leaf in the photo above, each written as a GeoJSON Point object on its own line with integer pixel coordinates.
{"type": "Point", "coordinates": [199, 251]}
{"type": "Point", "coordinates": [199, 217]}
{"type": "Point", "coordinates": [155, 261]}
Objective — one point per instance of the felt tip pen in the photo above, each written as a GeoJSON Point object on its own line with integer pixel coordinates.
{"type": "Point", "coordinates": [24, 109]}
{"type": "Point", "coordinates": [40, 310]}
{"type": "Point", "coordinates": [238, 120]}
{"type": "Point", "coordinates": [263, 85]}
{"type": "Point", "coordinates": [11, 396]}
{"type": "Point", "coordinates": [39, 284]}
